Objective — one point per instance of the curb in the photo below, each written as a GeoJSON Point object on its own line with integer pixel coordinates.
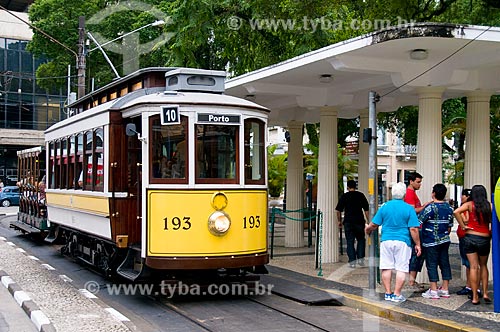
{"type": "Point", "coordinates": [36, 315]}
{"type": "Point", "coordinates": [396, 313]}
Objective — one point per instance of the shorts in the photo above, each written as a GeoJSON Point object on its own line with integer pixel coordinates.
{"type": "Point", "coordinates": [394, 255]}
{"type": "Point", "coordinates": [477, 244]}
{"type": "Point", "coordinates": [416, 262]}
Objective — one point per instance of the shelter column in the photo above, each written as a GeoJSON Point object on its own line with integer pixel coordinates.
{"type": "Point", "coordinates": [429, 140]}
{"type": "Point", "coordinates": [363, 154]}
{"type": "Point", "coordinates": [477, 138]}
{"type": "Point", "coordinates": [429, 145]}
{"type": "Point", "coordinates": [294, 230]}
{"type": "Point", "coordinates": [477, 148]}
{"type": "Point", "coordinates": [328, 184]}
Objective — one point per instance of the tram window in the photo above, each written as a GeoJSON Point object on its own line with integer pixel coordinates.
{"type": "Point", "coordinates": [64, 163]}
{"type": "Point", "coordinates": [99, 158]}
{"type": "Point", "coordinates": [216, 153]}
{"type": "Point", "coordinates": [254, 151]}
{"type": "Point", "coordinates": [58, 164]}
{"type": "Point", "coordinates": [79, 162]}
{"type": "Point", "coordinates": [71, 162]}
{"type": "Point", "coordinates": [51, 165]}
{"type": "Point", "coordinates": [168, 151]}
{"type": "Point", "coordinates": [134, 159]}
{"type": "Point", "coordinates": [87, 178]}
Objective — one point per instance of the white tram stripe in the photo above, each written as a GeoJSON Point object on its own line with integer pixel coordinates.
{"type": "Point", "coordinates": [48, 267]}
{"type": "Point", "coordinates": [116, 314]}
{"type": "Point", "coordinates": [21, 250]}
{"type": "Point", "coordinates": [33, 258]}
{"type": "Point", "coordinates": [11, 244]}
{"type": "Point", "coordinates": [2, 238]}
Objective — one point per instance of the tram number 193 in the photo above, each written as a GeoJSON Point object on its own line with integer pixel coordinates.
{"type": "Point", "coordinates": [251, 222]}
{"type": "Point", "coordinates": [176, 223]}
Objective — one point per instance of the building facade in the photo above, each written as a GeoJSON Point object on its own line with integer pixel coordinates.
{"type": "Point", "coordinates": [26, 110]}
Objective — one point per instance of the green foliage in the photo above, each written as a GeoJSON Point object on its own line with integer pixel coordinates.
{"type": "Point", "coordinates": [403, 122]}
{"type": "Point", "coordinates": [276, 171]}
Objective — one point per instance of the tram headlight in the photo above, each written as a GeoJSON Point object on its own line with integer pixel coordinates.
{"type": "Point", "coordinates": [219, 223]}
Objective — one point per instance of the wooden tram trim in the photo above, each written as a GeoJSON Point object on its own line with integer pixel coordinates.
{"type": "Point", "coordinates": [197, 263]}
{"type": "Point", "coordinates": [141, 79]}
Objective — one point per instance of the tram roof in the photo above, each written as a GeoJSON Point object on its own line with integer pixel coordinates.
{"type": "Point", "coordinates": [456, 58]}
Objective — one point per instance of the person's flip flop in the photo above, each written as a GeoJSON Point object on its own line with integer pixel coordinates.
{"type": "Point", "coordinates": [487, 300]}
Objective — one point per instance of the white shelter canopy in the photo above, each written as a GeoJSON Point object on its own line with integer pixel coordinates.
{"type": "Point", "coordinates": [419, 64]}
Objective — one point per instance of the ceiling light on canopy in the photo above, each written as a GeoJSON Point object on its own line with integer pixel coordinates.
{"type": "Point", "coordinates": [325, 78]}
{"type": "Point", "coordinates": [419, 54]}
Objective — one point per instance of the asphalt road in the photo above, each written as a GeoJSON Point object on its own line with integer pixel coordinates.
{"type": "Point", "coordinates": [148, 313]}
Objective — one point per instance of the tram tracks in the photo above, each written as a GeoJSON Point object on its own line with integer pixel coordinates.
{"type": "Point", "coordinates": [243, 313]}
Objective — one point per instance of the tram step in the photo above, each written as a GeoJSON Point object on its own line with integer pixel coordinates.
{"type": "Point", "coordinates": [132, 268]}
{"type": "Point", "coordinates": [27, 228]}
{"type": "Point", "coordinates": [53, 235]}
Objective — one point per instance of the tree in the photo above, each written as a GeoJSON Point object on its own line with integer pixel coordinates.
{"type": "Point", "coordinates": [276, 171]}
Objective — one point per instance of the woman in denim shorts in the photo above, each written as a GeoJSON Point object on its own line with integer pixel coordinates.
{"type": "Point", "coordinates": [477, 240]}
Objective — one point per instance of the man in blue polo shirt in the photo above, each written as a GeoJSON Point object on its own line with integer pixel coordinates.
{"type": "Point", "coordinates": [399, 223]}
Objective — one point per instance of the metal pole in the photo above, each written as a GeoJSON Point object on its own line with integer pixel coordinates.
{"type": "Point", "coordinates": [104, 53]}
{"type": "Point", "coordinates": [495, 245]}
{"type": "Point", "coordinates": [81, 61]}
{"type": "Point", "coordinates": [372, 184]}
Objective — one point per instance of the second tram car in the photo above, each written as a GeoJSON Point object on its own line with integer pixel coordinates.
{"type": "Point", "coordinates": [160, 173]}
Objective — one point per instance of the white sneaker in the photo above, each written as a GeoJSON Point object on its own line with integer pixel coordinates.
{"type": "Point", "coordinates": [443, 293]}
{"type": "Point", "coordinates": [430, 294]}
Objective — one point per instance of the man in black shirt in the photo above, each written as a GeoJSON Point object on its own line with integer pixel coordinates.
{"type": "Point", "coordinates": [353, 203]}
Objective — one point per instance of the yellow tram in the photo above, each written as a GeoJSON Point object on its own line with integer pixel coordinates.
{"type": "Point", "coordinates": [160, 173]}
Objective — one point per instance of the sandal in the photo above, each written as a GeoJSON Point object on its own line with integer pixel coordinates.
{"type": "Point", "coordinates": [475, 303]}
{"type": "Point", "coordinates": [487, 300]}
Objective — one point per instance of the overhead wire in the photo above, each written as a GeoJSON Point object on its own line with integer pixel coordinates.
{"type": "Point", "coordinates": [39, 30]}
{"type": "Point", "coordinates": [436, 64]}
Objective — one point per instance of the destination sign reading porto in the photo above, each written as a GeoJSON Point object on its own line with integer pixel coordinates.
{"type": "Point", "coordinates": [218, 118]}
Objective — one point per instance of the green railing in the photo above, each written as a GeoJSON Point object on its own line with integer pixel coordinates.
{"type": "Point", "coordinates": [308, 216]}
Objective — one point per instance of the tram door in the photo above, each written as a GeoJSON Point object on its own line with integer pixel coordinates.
{"type": "Point", "coordinates": [134, 173]}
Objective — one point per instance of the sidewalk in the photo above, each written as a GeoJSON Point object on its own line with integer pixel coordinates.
{"type": "Point", "coordinates": [453, 314]}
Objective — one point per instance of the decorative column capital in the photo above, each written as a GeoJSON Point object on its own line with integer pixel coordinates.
{"type": "Point", "coordinates": [293, 124]}
{"type": "Point", "coordinates": [329, 111]}
{"type": "Point", "coordinates": [479, 96]}
{"type": "Point", "coordinates": [433, 92]}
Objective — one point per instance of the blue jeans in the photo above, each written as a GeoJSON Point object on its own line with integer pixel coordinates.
{"type": "Point", "coordinates": [355, 232]}
{"type": "Point", "coordinates": [438, 256]}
